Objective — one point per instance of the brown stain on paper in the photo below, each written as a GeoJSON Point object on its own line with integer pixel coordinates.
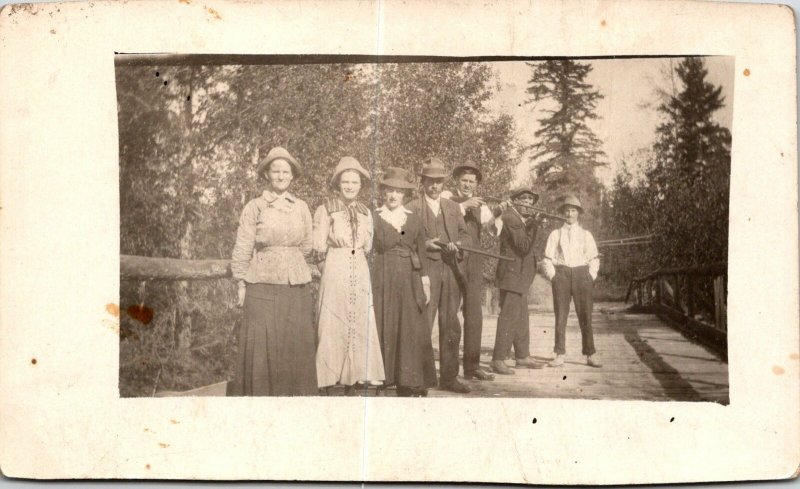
{"type": "Point", "coordinates": [603, 23]}
{"type": "Point", "coordinates": [214, 13]}
{"type": "Point", "coordinates": [163, 445]}
{"type": "Point", "coordinates": [746, 72]}
{"type": "Point", "coordinates": [777, 370]}
{"type": "Point", "coordinates": [112, 309]}
{"type": "Point", "coordinates": [794, 356]}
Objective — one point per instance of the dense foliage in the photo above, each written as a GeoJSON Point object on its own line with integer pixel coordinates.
{"type": "Point", "coordinates": [684, 198]}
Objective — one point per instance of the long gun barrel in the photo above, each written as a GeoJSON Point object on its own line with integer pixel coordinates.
{"type": "Point", "coordinates": [477, 251]}
{"type": "Point", "coordinates": [533, 208]}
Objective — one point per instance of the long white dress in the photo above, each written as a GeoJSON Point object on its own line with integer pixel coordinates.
{"type": "Point", "coordinates": [348, 350]}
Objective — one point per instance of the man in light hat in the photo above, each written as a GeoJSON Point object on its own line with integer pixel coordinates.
{"type": "Point", "coordinates": [444, 223]}
{"type": "Point", "coordinates": [514, 279]}
{"type": "Point", "coordinates": [571, 262]}
{"type": "Point", "coordinates": [477, 214]}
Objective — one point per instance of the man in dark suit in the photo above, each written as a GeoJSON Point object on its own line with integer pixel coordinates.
{"type": "Point", "coordinates": [514, 279]}
{"type": "Point", "coordinates": [477, 214]}
{"type": "Point", "coordinates": [444, 223]}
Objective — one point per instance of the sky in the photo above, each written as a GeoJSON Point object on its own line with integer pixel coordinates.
{"type": "Point", "coordinates": [628, 115]}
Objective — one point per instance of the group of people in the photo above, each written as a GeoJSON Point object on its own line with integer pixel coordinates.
{"type": "Point", "coordinates": [374, 327]}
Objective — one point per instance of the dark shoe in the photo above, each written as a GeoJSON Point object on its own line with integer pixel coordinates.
{"type": "Point", "coordinates": [403, 391]}
{"type": "Point", "coordinates": [529, 363]}
{"type": "Point", "coordinates": [423, 392]}
{"type": "Point", "coordinates": [455, 386]}
{"type": "Point", "coordinates": [500, 367]}
{"type": "Point", "coordinates": [478, 375]}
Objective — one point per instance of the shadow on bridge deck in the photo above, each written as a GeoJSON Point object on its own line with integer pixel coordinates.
{"type": "Point", "coordinates": [643, 358]}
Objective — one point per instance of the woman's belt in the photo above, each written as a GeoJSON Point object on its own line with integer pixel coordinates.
{"type": "Point", "coordinates": [406, 252]}
{"type": "Point", "coordinates": [398, 251]}
{"type": "Point", "coordinates": [263, 247]}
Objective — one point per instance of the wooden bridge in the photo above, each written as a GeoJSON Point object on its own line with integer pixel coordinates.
{"type": "Point", "coordinates": [643, 357]}
{"type": "Point", "coordinates": [669, 345]}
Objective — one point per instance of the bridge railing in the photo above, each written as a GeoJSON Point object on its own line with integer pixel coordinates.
{"type": "Point", "coordinates": [693, 298]}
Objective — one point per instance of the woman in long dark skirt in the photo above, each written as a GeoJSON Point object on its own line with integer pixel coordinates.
{"type": "Point", "coordinates": [277, 336]}
{"type": "Point", "coordinates": [401, 288]}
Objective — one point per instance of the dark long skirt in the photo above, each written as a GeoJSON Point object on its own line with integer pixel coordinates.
{"type": "Point", "coordinates": [401, 323]}
{"type": "Point", "coordinates": [276, 343]}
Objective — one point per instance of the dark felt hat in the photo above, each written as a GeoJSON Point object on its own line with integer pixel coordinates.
{"type": "Point", "coordinates": [434, 168]}
{"type": "Point", "coordinates": [465, 167]}
{"type": "Point", "coordinates": [278, 153]}
{"type": "Point", "coordinates": [525, 190]}
{"type": "Point", "coordinates": [397, 178]}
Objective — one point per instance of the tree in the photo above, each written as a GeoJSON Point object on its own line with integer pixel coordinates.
{"type": "Point", "coordinates": [438, 109]}
{"type": "Point", "coordinates": [690, 180]}
{"type": "Point", "coordinates": [568, 151]}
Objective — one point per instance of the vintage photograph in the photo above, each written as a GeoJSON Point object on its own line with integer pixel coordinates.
{"type": "Point", "coordinates": [424, 227]}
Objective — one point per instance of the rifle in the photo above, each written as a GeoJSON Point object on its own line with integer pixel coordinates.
{"type": "Point", "coordinates": [477, 251]}
{"type": "Point", "coordinates": [533, 208]}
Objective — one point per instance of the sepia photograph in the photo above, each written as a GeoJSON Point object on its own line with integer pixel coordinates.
{"type": "Point", "coordinates": [424, 227]}
{"type": "Point", "coordinates": [541, 243]}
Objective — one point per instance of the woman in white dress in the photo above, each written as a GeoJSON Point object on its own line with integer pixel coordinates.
{"type": "Point", "coordinates": [348, 349]}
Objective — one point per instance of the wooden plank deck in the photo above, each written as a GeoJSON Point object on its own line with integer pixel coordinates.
{"type": "Point", "coordinates": [643, 358]}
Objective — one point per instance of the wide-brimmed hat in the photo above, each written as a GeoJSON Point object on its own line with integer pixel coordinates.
{"type": "Point", "coordinates": [524, 190]}
{"type": "Point", "coordinates": [573, 201]}
{"type": "Point", "coordinates": [465, 167]}
{"type": "Point", "coordinates": [278, 153]}
{"type": "Point", "coordinates": [348, 163]}
{"type": "Point", "coordinates": [434, 168]}
{"type": "Point", "coordinates": [397, 178]}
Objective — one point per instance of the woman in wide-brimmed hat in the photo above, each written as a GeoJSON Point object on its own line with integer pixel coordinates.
{"type": "Point", "coordinates": [400, 284]}
{"type": "Point", "coordinates": [348, 350]}
{"type": "Point", "coordinates": [276, 339]}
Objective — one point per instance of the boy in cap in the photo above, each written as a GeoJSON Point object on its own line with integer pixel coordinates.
{"type": "Point", "coordinates": [571, 262]}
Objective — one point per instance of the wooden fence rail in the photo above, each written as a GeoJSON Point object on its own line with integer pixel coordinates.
{"type": "Point", "coordinates": [172, 269]}
{"type": "Point", "coordinates": [693, 298]}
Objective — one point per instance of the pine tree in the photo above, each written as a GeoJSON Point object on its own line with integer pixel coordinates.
{"type": "Point", "coordinates": [690, 182]}
{"type": "Point", "coordinates": [567, 151]}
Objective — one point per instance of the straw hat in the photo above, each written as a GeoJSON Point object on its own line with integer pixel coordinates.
{"type": "Point", "coordinates": [348, 163]}
{"type": "Point", "coordinates": [573, 201]}
{"type": "Point", "coordinates": [278, 153]}
{"type": "Point", "coordinates": [397, 178]}
{"type": "Point", "coordinates": [434, 168]}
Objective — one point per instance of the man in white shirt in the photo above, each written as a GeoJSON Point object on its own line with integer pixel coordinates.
{"type": "Point", "coordinates": [571, 262]}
